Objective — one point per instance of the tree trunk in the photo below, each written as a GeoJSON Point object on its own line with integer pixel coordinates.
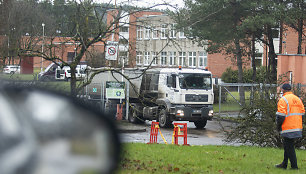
{"type": "Point", "coordinates": [300, 35]}
{"type": "Point", "coordinates": [253, 59]}
{"type": "Point", "coordinates": [281, 31]}
{"type": "Point", "coordinates": [272, 56]}
{"type": "Point", "coordinates": [73, 90]}
{"type": "Point", "coordinates": [240, 70]}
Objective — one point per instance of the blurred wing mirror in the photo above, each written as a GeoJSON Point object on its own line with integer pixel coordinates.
{"type": "Point", "coordinates": [46, 133]}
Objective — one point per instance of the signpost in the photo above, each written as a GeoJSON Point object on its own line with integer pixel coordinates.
{"type": "Point", "coordinates": [111, 50]}
{"type": "Point", "coordinates": [115, 90]}
{"type": "Point", "coordinates": [94, 89]}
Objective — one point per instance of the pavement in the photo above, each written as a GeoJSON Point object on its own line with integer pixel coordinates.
{"type": "Point", "coordinates": [140, 133]}
{"type": "Point", "coordinates": [125, 127]}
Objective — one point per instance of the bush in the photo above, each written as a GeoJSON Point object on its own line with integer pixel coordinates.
{"type": "Point", "coordinates": [256, 124]}
{"type": "Point", "coordinates": [231, 76]}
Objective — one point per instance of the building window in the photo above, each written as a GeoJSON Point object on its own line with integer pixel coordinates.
{"type": "Point", "coordinates": [202, 59]}
{"type": "Point", "coordinates": [71, 56]}
{"type": "Point", "coordinates": [172, 32]}
{"type": "Point", "coordinates": [164, 31]}
{"type": "Point", "coordinates": [146, 60]}
{"type": "Point", "coordinates": [275, 33]}
{"type": "Point", "coordinates": [138, 57]}
{"type": "Point", "coordinates": [147, 33]}
{"type": "Point", "coordinates": [258, 59]}
{"type": "Point", "coordinates": [163, 58]}
{"type": "Point", "coordinates": [124, 29]}
{"type": "Point", "coordinates": [155, 33]}
{"type": "Point", "coordinates": [154, 58]}
{"type": "Point", "coordinates": [192, 57]}
{"type": "Point", "coordinates": [139, 33]}
{"type": "Point", "coordinates": [182, 58]}
{"type": "Point", "coordinates": [172, 58]}
{"type": "Point", "coordinates": [123, 41]}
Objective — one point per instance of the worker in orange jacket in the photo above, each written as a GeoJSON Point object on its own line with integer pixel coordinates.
{"type": "Point", "coordinates": [289, 115]}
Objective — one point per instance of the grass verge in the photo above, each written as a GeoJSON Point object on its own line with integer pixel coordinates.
{"type": "Point", "coordinates": [27, 77]}
{"type": "Point", "coordinates": [160, 158]}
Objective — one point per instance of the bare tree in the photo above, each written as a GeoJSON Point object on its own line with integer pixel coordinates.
{"type": "Point", "coordinates": [90, 24]}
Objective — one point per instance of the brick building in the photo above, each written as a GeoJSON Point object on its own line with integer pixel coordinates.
{"type": "Point", "coordinates": [291, 67]}
{"type": "Point", "coordinates": [150, 36]}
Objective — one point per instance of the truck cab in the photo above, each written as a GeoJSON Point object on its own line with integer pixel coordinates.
{"type": "Point", "coordinates": [175, 94]}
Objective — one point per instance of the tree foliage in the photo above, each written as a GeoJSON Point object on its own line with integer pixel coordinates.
{"type": "Point", "coordinates": [229, 26]}
{"type": "Point", "coordinates": [256, 124]}
{"type": "Point", "coordinates": [231, 76]}
{"type": "Point", "coordinates": [217, 23]}
{"type": "Point", "coordinates": [295, 18]}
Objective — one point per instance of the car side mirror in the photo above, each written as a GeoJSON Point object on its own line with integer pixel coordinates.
{"type": "Point", "coordinates": [46, 132]}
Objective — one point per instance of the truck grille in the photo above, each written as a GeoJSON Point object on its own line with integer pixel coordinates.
{"type": "Point", "coordinates": [196, 98]}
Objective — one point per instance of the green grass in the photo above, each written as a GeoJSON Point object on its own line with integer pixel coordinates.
{"type": "Point", "coordinates": [231, 104]}
{"type": "Point", "coordinates": [236, 95]}
{"type": "Point", "coordinates": [227, 107]}
{"type": "Point", "coordinates": [61, 86]}
{"type": "Point", "coordinates": [27, 77]}
{"type": "Point", "coordinates": [161, 158]}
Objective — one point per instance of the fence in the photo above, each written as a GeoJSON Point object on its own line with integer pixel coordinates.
{"type": "Point", "coordinates": [229, 102]}
{"type": "Point", "coordinates": [95, 94]}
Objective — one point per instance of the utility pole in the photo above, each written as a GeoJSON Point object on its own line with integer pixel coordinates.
{"type": "Point", "coordinates": [42, 46]}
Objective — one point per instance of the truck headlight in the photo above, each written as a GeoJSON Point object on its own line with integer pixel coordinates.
{"type": "Point", "coordinates": [179, 112]}
{"type": "Point", "coordinates": [211, 113]}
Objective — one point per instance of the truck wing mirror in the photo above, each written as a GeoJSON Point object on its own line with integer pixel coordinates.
{"type": "Point", "coordinates": [41, 129]}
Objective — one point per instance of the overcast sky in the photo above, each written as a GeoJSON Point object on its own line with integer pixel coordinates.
{"type": "Point", "coordinates": [145, 3]}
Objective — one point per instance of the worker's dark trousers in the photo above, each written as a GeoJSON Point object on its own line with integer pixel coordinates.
{"type": "Point", "coordinates": [289, 152]}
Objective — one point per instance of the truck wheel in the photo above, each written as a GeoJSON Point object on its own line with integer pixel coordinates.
{"type": "Point", "coordinates": [133, 117]}
{"type": "Point", "coordinates": [163, 118]}
{"type": "Point", "coordinates": [200, 124]}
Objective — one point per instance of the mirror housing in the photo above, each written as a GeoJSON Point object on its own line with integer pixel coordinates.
{"type": "Point", "coordinates": [48, 132]}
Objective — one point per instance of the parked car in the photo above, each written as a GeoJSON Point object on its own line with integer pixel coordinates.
{"type": "Point", "coordinates": [48, 74]}
{"type": "Point", "coordinates": [11, 69]}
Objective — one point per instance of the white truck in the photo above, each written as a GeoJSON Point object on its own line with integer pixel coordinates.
{"type": "Point", "coordinates": [168, 94]}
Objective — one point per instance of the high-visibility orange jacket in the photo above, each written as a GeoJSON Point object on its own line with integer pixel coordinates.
{"type": "Point", "coordinates": [290, 110]}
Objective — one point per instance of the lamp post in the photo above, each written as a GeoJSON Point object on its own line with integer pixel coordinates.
{"type": "Point", "coordinates": [42, 46]}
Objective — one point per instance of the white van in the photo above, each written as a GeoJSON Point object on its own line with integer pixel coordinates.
{"type": "Point", "coordinates": [65, 72]}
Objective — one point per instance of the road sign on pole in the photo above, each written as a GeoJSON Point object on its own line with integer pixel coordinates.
{"type": "Point", "coordinates": [111, 50]}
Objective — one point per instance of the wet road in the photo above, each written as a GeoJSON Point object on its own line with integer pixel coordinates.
{"type": "Point", "coordinates": [212, 134]}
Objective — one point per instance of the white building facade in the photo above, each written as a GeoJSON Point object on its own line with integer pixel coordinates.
{"type": "Point", "coordinates": [160, 44]}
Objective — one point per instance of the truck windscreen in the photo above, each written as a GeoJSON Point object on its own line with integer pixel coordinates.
{"type": "Point", "coordinates": [195, 81]}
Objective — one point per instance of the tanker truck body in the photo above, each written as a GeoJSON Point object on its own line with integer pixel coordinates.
{"type": "Point", "coordinates": [168, 94]}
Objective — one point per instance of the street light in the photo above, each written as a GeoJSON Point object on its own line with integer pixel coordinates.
{"type": "Point", "coordinates": [42, 46]}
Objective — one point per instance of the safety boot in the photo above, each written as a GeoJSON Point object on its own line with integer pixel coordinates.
{"type": "Point", "coordinates": [281, 166]}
